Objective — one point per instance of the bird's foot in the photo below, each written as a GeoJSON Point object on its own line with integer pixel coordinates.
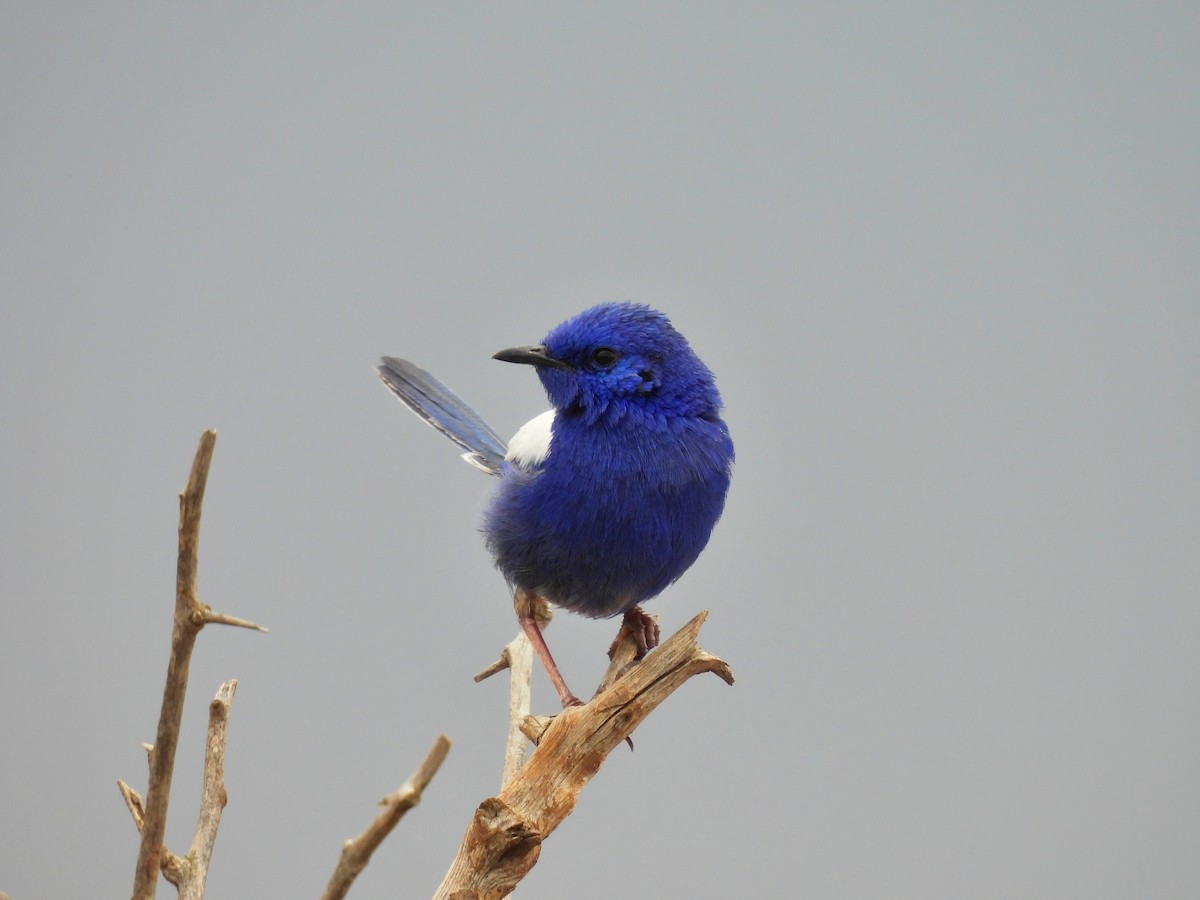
{"type": "Point", "coordinates": [642, 627]}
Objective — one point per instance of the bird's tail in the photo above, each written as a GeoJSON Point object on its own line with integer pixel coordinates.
{"type": "Point", "coordinates": [445, 411]}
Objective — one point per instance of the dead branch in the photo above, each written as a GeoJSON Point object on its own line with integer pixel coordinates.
{"type": "Point", "coordinates": [517, 657]}
{"type": "Point", "coordinates": [133, 800]}
{"type": "Point", "coordinates": [504, 839]}
{"type": "Point", "coordinates": [356, 853]}
{"type": "Point", "coordinates": [189, 873]}
{"type": "Point", "coordinates": [190, 616]}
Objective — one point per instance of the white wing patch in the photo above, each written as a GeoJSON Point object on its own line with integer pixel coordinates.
{"type": "Point", "coordinates": [531, 444]}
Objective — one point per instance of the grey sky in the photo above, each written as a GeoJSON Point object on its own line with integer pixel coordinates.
{"type": "Point", "coordinates": [944, 262]}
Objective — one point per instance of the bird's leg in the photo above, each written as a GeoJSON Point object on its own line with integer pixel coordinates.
{"type": "Point", "coordinates": [528, 607]}
{"type": "Point", "coordinates": [642, 627]}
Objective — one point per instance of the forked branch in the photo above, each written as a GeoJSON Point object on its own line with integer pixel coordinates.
{"type": "Point", "coordinates": [190, 616]}
{"type": "Point", "coordinates": [504, 838]}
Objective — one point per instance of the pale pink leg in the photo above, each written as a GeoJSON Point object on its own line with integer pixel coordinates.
{"type": "Point", "coordinates": [526, 605]}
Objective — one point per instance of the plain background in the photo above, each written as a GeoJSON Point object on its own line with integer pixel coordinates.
{"type": "Point", "coordinates": [945, 261]}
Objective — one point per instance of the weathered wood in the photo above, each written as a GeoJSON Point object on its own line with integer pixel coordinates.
{"type": "Point", "coordinates": [504, 838]}
{"type": "Point", "coordinates": [356, 853]}
{"type": "Point", "coordinates": [150, 815]}
{"type": "Point", "coordinates": [183, 639]}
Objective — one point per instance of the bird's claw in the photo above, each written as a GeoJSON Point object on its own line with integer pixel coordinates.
{"type": "Point", "coordinates": [640, 626]}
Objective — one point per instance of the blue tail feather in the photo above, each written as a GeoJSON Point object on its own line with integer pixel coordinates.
{"type": "Point", "coordinates": [445, 411]}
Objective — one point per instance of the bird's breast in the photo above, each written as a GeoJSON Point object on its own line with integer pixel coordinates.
{"type": "Point", "coordinates": [613, 514]}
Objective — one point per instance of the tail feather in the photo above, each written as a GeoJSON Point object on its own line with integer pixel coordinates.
{"type": "Point", "coordinates": [444, 410]}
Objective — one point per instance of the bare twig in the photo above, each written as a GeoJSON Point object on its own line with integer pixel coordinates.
{"type": "Point", "coordinates": [133, 800]}
{"type": "Point", "coordinates": [504, 839]}
{"type": "Point", "coordinates": [498, 666]}
{"type": "Point", "coordinates": [208, 617]}
{"type": "Point", "coordinates": [189, 873]}
{"type": "Point", "coordinates": [137, 809]}
{"type": "Point", "coordinates": [517, 657]}
{"type": "Point", "coordinates": [520, 656]}
{"type": "Point", "coordinates": [190, 616]}
{"type": "Point", "coordinates": [356, 853]}
{"type": "Point", "coordinates": [183, 639]}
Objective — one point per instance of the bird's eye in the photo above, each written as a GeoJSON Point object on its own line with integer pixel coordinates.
{"type": "Point", "coordinates": [605, 356]}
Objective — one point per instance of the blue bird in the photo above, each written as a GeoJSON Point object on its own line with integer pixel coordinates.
{"type": "Point", "coordinates": [609, 497]}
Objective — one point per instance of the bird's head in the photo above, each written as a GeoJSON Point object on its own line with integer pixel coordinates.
{"type": "Point", "coordinates": [617, 358]}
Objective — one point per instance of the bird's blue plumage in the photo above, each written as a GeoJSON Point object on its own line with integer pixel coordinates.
{"type": "Point", "coordinates": [635, 474]}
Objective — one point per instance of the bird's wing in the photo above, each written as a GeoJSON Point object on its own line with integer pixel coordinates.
{"type": "Point", "coordinates": [530, 446]}
{"type": "Point", "coordinates": [445, 411]}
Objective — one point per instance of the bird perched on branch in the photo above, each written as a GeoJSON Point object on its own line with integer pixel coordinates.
{"type": "Point", "coordinates": [610, 496]}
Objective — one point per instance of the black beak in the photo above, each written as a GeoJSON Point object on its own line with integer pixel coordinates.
{"type": "Point", "coordinates": [532, 356]}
